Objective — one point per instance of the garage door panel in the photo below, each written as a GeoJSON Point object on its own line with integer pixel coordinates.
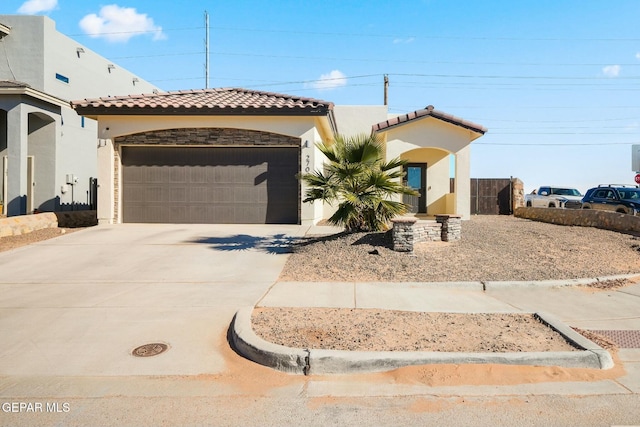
{"type": "Point", "coordinates": [210, 184]}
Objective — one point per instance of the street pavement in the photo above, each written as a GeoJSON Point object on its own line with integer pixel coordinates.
{"type": "Point", "coordinates": [72, 309]}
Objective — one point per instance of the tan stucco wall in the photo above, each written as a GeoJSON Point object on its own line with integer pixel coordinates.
{"type": "Point", "coordinates": [358, 119]}
{"type": "Point", "coordinates": [438, 173]}
{"type": "Point", "coordinates": [113, 126]}
{"type": "Point", "coordinates": [431, 132]}
{"type": "Point", "coordinates": [463, 183]}
{"type": "Point", "coordinates": [431, 141]}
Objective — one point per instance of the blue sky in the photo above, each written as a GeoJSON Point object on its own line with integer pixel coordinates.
{"type": "Point", "coordinates": [555, 82]}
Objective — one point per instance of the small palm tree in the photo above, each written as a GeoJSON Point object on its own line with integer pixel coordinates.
{"type": "Point", "coordinates": [358, 178]}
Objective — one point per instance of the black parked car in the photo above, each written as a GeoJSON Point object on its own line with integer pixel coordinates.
{"type": "Point", "coordinates": [615, 198]}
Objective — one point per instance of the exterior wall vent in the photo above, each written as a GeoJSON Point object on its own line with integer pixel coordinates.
{"type": "Point", "coordinates": [63, 79]}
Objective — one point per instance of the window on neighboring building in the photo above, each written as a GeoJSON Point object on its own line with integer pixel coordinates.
{"type": "Point", "coordinates": [62, 78]}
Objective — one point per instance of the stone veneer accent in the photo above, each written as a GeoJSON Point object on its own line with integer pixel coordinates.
{"type": "Point", "coordinates": [196, 136]}
{"type": "Point", "coordinates": [408, 231]}
{"type": "Point", "coordinates": [116, 184]}
{"type": "Point", "coordinates": [208, 136]}
{"type": "Point", "coordinates": [517, 196]}
{"type": "Point", "coordinates": [582, 217]}
{"type": "Point", "coordinates": [451, 227]}
{"type": "Point", "coordinates": [24, 224]}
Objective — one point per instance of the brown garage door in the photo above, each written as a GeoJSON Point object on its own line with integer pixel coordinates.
{"type": "Point", "coordinates": [210, 185]}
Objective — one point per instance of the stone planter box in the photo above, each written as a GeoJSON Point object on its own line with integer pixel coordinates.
{"type": "Point", "coordinates": [408, 231]}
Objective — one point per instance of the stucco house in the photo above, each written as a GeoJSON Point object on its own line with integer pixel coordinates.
{"type": "Point", "coordinates": [47, 151]}
{"type": "Point", "coordinates": [232, 155]}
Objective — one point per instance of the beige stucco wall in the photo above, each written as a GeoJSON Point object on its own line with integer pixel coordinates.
{"type": "Point", "coordinates": [430, 132]}
{"type": "Point", "coordinates": [438, 173]}
{"type": "Point", "coordinates": [113, 126]}
{"type": "Point", "coordinates": [358, 119]}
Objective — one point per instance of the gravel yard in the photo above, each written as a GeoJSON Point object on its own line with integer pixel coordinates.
{"type": "Point", "coordinates": [492, 248]}
{"type": "Point", "coordinates": [13, 242]}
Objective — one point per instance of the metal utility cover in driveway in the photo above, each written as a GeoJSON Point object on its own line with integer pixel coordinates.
{"type": "Point", "coordinates": [210, 185]}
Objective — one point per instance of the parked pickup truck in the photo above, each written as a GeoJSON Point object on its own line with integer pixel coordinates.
{"type": "Point", "coordinates": [554, 197]}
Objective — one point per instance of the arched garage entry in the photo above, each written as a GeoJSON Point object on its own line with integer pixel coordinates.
{"type": "Point", "coordinates": [210, 176]}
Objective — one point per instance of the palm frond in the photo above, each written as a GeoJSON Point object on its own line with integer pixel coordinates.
{"type": "Point", "coordinates": [358, 178]}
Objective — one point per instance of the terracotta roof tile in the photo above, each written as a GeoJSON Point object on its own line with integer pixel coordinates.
{"type": "Point", "coordinates": [219, 101]}
{"type": "Point", "coordinates": [12, 84]}
{"type": "Point", "coordinates": [427, 112]}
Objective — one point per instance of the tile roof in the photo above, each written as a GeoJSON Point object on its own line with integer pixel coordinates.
{"type": "Point", "coordinates": [429, 111]}
{"type": "Point", "coordinates": [12, 83]}
{"type": "Point", "coordinates": [221, 101]}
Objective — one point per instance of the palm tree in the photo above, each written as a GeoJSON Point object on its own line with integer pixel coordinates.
{"type": "Point", "coordinates": [359, 179]}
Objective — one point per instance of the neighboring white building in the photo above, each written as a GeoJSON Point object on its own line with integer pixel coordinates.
{"type": "Point", "coordinates": [48, 153]}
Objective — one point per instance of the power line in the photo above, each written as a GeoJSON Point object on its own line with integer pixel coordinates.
{"type": "Point", "coordinates": [369, 60]}
{"type": "Point", "coordinates": [372, 35]}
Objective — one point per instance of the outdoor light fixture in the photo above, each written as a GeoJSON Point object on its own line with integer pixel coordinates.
{"type": "Point", "coordinates": [110, 67]}
{"type": "Point", "coordinates": [79, 50]}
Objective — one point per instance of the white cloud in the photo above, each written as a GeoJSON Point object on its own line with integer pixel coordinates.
{"type": "Point", "coordinates": [119, 24]}
{"type": "Point", "coordinates": [330, 81]}
{"type": "Point", "coordinates": [611, 70]}
{"type": "Point", "coordinates": [31, 7]}
{"type": "Point", "coordinates": [404, 41]}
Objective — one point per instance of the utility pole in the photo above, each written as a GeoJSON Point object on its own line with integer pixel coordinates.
{"type": "Point", "coordinates": [386, 89]}
{"type": "Point", "coordinates": [206, 50]}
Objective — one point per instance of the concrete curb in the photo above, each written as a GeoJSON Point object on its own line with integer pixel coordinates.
{"type": "Point", "coordinates": [604, 357]}
{"type": "Point", "coordinates": [315, 361]}
{"type": "Point", "coordinates": [556, 283]}
{"type": "Point", "coordinates": [251, 346]}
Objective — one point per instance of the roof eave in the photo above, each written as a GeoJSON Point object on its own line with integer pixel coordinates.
{"type": "Point", "coordinates": [36, 94]}
{"type": "Point", "coordinates": [424, 114]}
{"type": "Point", "coordinates": [163, 111]}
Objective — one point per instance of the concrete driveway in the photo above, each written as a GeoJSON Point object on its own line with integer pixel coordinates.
{"type": "Point", "coordinates": [79, 304]}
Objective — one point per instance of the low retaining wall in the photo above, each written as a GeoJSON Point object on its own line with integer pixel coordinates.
{"type": "Point", "coordinates": [407, 231]}
{"type": "Point", "coordinates": [613, 221]}
{"type": "Point", "coordinates": [23, 224]}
